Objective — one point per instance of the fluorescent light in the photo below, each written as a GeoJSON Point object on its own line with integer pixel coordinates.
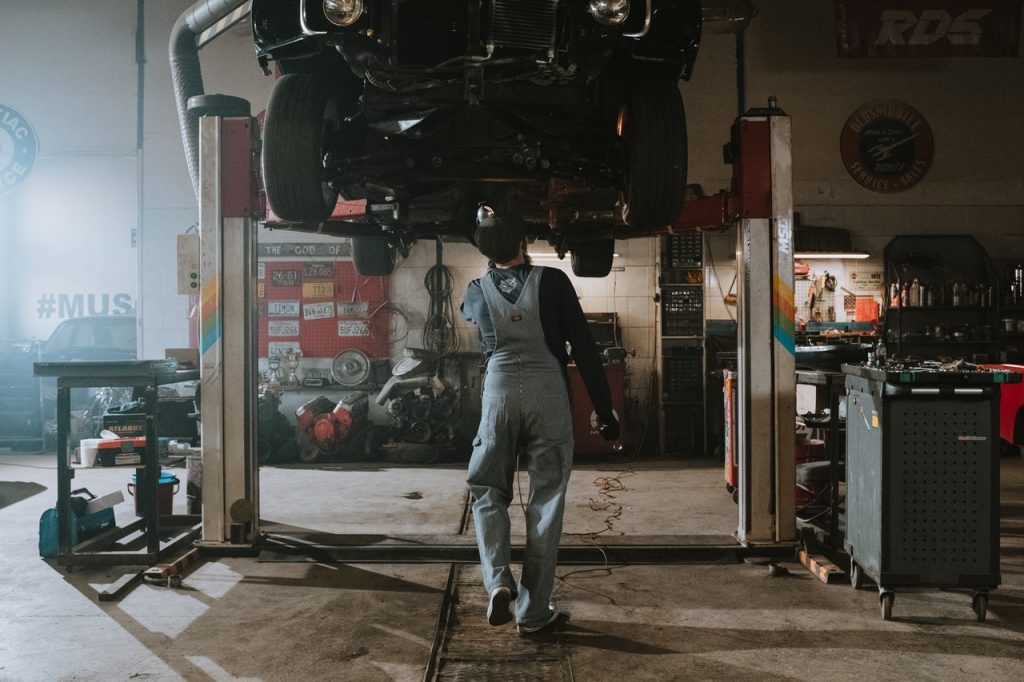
{"type": "Point", "coordinates": [834, 255]}
{"type": "Point", "coordinates": [550, 255]}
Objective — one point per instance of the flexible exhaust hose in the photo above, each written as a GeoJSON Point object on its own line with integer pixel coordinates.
{"type": "Point", "coordinates": [186, 75]}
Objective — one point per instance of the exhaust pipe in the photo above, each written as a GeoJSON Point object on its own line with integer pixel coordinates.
{"type": "Point", "coordinates": [186, 75]}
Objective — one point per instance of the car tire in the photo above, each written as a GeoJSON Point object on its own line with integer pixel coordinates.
{"type": "Point", "coordinates": [300, 116]}
{"type": "Point", "coordinates": [373, 257]}
{"type": "Point", "coordinates": [592, 259]}
{"type": "Point", "coordinates": [654, 129]}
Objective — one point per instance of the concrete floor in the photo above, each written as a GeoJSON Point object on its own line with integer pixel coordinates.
{"type": "Point", "coordinates": [237, 618]}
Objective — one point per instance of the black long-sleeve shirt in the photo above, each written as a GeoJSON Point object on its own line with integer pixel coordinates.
{"type": "Point", "coordinates": [561, 318]}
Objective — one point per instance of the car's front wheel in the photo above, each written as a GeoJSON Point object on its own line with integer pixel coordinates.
{"type": "Point", "coordinates": [373, 256]}
{"type": "Point", "coordinates": [652, 124]}
{"type": "Point", "coordinates": [301, 118]}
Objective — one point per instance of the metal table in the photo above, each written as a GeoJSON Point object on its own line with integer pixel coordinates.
{"type": "Point", "coordinates": [146, 375]}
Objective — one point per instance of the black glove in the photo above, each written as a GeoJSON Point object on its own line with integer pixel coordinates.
{"type": "Point", "coordinates": [609, 427]}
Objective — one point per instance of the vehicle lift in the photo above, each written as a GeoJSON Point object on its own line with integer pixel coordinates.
{"type": "Point", "coordinates": [759, 203]}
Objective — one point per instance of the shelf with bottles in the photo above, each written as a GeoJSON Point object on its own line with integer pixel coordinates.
{"type": "Point", "coordinates": [942, 293]}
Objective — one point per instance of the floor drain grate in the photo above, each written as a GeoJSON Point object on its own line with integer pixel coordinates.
{"type": "Point", "coordinates": [467, 648]}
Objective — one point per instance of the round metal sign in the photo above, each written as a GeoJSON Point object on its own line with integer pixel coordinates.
{"type": "Point", "coordinates": [887, 146]}
{"type": "Point", "coordinates": [18, 148]}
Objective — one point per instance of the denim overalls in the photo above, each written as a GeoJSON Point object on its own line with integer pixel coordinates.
{"type": "Point", "coordinates": [525, 410]}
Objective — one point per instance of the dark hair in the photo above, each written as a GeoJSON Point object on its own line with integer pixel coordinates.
{"type": "Point", "coordinates": [499, 239]}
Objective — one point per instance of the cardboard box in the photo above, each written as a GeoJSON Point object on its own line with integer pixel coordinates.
{"type": "Point", "coordinates": [188, 358]}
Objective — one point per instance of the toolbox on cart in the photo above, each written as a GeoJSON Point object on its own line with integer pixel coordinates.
{"type": "Point", "coordinates": [922, 472]}
{"type": "Point", "coordinates": [121, 451]}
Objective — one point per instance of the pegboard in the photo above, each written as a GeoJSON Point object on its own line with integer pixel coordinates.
{"type": "Point", "coordinates": [324, 306]}
{"type": "Point", "coordinates": [941, 481]}
{"type": "Point", "coordinates": [823, 301]}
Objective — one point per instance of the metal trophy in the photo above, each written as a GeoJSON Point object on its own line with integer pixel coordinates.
{"type": "Point", "coordinates": [274, 365]}
{"type": "Point", "coordinates": [292, 358]}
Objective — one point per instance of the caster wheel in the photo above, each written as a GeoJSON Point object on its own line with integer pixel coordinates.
{"type": "Point", "coordinates": [856, 575]}
{"type": "Point", "coordinates": [886, 599]}
{"type": "Point", "coordinates": [980, 604]}
{"type": "Point", "coordinates": [174, 581]}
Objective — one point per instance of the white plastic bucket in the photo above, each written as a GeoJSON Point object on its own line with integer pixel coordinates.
{"type": "Point", "coordinates": [87, 451]}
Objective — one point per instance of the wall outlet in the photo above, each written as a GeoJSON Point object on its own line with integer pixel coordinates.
{"type": "Point", "coordinates": [188, 264]}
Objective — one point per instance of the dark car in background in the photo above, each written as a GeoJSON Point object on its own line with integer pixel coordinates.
{"type": "Point", "coordinates": [566, 113]}
{"type": "Point", "coordinates": [28, 404]}
{"type": "Point", "coordinates": [100, 337]}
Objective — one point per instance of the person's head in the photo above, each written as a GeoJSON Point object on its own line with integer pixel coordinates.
{"type": "Point", "coordinates": [500, 238]}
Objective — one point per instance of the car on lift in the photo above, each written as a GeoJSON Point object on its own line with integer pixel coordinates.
{"type": "Point", "coordinates": [566, 113]}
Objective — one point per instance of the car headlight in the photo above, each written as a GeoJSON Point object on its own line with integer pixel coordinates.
{"type": "Point", "coordinates": [609, 12]}
{"type": "Point", "coordinates": [343, 12]}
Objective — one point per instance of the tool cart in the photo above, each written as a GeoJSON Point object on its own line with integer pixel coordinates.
{"type": "Point", "coordinates": [922, 472]}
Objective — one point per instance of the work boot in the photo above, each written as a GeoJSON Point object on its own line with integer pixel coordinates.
{"type": "Point", "coordinates": [498, 612]}
{"type": "Point", "coordinates": [553, 620]}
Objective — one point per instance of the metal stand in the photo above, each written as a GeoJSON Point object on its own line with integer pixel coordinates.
{"type": "Point", "coordinates": [147, 375]}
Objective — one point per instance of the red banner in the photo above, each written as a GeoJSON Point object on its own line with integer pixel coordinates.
{"type": "Point", "coordinates": [928, 28]}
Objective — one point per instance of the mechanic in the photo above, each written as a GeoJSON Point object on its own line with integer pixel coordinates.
{"type": "Point", "coordinates": [526, 314]}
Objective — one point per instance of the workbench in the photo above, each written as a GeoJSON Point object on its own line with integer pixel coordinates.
{"type": "Point", "coordinates": [162, 534]}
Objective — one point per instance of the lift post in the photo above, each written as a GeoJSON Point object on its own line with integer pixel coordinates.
{"type": "Point", "coordinates": [763, 196]}
{"type": "Point", "coordinates": [228, 170]}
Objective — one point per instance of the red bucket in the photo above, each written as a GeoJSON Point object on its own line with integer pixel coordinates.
{"type": "Point", "coordinates": [166, 488]}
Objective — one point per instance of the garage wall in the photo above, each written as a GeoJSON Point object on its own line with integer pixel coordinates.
{"type": "Point", "coordinates": [974, 107]}
{"type": "Point", "coordinates": [628, 291]}
{"type": "Point", "coordinates": [66, 230]}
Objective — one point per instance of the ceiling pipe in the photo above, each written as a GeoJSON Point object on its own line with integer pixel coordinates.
{"type": "Point", "coordinates": [186, 75]}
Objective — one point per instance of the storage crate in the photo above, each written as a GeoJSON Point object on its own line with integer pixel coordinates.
{"type": "Point", "coordinates": [682, 311]}
{"type": "Point", "coordinates": [683, 375]}
{"type": "Point", "coordinates": [684, 251]}
{"type": "Point", "coordinates": [684, 430]}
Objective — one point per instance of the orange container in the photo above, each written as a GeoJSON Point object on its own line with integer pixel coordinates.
{"type": "Point", "coordinates": [113, 451]}
{"type": "Point", "coordinates": [866, 310]}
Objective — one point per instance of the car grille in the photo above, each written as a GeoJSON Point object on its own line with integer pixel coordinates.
{"type": "Point", "coordinates": [528, 24]}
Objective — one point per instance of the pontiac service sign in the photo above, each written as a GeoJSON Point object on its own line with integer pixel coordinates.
{"type": "Point", "coordinates": [18, 148]}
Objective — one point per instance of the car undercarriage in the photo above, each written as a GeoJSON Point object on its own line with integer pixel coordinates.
{"type": "Point", "coordinates": [541, 108]}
